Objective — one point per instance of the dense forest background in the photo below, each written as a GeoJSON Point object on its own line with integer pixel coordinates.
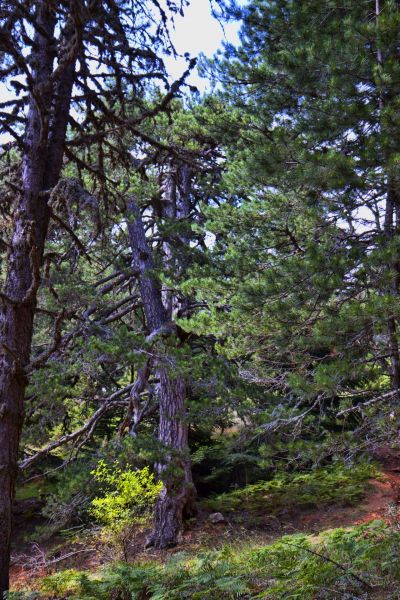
{"type": "Point", "coordinates": [199, 303]}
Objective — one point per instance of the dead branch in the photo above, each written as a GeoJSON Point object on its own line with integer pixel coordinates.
{"type": "Point", "coordinates": [88, 427]}
{"type": "Point", "coordinates": [57, 338]}
{"type": "Point", "coordinates": [360, 407]}
{"type": "Point", "coordinates": [134, 412]}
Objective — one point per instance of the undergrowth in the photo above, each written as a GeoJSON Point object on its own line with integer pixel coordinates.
{"type": "Point", "coordinates": [354, 563]}
{"type": "Point", "coordinates": [336, 485]}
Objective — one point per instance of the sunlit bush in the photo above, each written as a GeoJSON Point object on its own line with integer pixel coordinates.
{"type": "Point", "coordinates": [126, 503]}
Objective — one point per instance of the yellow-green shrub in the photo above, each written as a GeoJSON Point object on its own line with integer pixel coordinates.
{"type": "Point", "coordinates": [129, 495]}
{"type": "Point", "coordinates": [126, 504]}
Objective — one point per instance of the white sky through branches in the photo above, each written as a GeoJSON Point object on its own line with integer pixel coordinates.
{"type": "Point", "coordinates": [199, 32]}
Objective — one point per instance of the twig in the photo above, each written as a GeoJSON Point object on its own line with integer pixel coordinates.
{"type": "Point", "coordinates": [88, 426]}
{"type": "Point", "coordinates": [333, 562]}
{"type": "Point", "coordinates": [65, 556]}
{"type": "Point", "coordinates": [352, 409]}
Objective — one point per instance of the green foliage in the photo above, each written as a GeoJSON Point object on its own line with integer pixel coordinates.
{"type": "Point", "coordinates": [302, 275]}
{"type": "Point", "coordinates": [69, 495]}
{"type": "Point", "coordinates": [71, 490]}
{"type": "Point", "coordinates": [342, 563]}
{"type": "Point", "coordinates": [338, 484]}
{"type": "Point", "coordinates": [69, 583]}
{"type": "Point", "coordinates": [32, 489]}
{"type": "Point", "coordinates": [129, 495]}
{"type": "Point", "coordinates": [124, 506]}
{"type": "Point", "coordinates": [287, 268]}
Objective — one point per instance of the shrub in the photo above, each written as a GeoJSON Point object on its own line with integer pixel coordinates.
{"type": "Point", "coordinates": [68, 584]}
{"type": "Point", "coordinates": [127, 502]}
{"type": "Point", "coordinates": [129, 495]}
{"type": "Point", "coordinates": [359, 562]}
{"type": "Point", "coordinates": [338, 484]}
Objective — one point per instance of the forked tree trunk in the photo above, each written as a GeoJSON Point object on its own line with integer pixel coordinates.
{"type": "Point", "coordinates": [178, 493]}
{"type": "Point", "coordinates": [42, 160]}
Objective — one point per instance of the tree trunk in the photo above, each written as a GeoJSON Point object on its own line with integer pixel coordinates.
{"type": "Point", "coordinates": [392, 228]}
{"type": "Point", "coordinates": [42, 160]}
{"type": "Point", "coordinates": [177, 496]}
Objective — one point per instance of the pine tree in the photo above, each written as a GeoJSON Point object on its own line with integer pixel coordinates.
{"type": "Point", "coordinates": [307, 239]}
{"type": "Point", "coordinates": [58, 56]}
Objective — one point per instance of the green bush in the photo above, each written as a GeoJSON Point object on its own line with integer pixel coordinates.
{"type": "Point", "coordinates": [68, 583]}
{"type": "Point", "coordinates": [359, 562]}
{"type": "Point", "coordinates": [129, 495]}
{"type": "Point", "coordinates": [70, 491]}
{"type": "Point", "coordinates": [338, 484]}
{"type": "Point", "coordinates": [125, 505]}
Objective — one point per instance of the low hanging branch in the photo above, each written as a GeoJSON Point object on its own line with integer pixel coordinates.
{"type": "Point", "coordinates": [360, 407]}
{"type": "Point", "coordinates": [294, 421]}
{"type": "Point", "coordinates": [333, 562]}
{"type": "Point", "coordinates": [108, 404]}
{"type": "Point", "coordinates": [105, 317]}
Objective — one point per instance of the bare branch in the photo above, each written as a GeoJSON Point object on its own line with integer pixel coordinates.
{"type": "Point", "coordinates": [108, 404]}
{"type": "Point", "coordinates": [360, 407]}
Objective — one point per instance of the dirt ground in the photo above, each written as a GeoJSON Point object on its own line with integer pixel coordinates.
{"type": "Point", "coordinates": [381, 501]}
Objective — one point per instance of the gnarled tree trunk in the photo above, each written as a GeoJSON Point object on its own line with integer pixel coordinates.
{"type": "Point", "coordinates": [177, 496]}
{"type": "Point", "coordinates": [42, 161]}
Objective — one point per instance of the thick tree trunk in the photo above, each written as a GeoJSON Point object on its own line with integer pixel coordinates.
{"type": "Point", "coordinates": [42, 160]}
{"type": "Point", "coordinates": [178, 493]}
{"type": "Point", "coordinates": [392, 228]}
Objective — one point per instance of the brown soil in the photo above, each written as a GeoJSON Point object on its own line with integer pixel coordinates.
{"type": "Point", "coordinates": [381, 501]}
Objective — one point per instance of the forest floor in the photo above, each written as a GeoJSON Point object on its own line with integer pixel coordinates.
{"type": "Point", "coordinates": [33, 560]}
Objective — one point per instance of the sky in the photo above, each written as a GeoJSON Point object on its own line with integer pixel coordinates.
{"type": "Point", "coordinates": [196, 32]}
{"type": "Point", "coordinates": [199, 32]}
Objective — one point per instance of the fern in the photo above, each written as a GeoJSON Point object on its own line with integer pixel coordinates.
{"type": "Point", "coordinates": [338, 484]}
{"type": "Point", "coordinates": [343, 563]}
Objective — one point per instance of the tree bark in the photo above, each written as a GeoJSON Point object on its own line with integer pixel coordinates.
{"type": "Point", "coordinates": [42, 160]}
{"type": "Point", "coordinates": [392, 228]}
{"type": "Point", "coordinates": [177, 496]}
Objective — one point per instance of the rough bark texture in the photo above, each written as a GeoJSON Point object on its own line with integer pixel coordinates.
{"type": "Point", "coordinates": [392, 228]}
{"type": "Point", "coordinates": [178, 493]}
{"type": "Point", "coordinates": [177, 497]}
{"type": "Point", "coordinates": [42, 160]}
